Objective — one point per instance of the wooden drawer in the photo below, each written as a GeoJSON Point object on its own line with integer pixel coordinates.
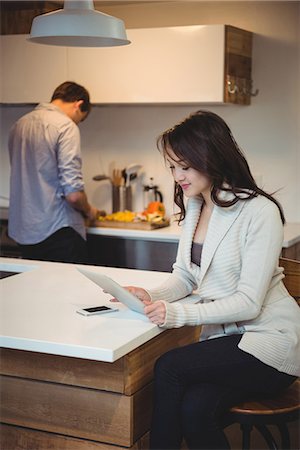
{"type": "Point", "coordinates": [18, 438]}
{"type": "Point", "coordinates": [50, 401]}
{"type": "Point", "coordinates": [78, 412]}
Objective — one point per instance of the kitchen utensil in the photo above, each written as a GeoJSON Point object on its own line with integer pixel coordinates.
{"type": "Point", "coordinates": [152, 194]}
{"type": "Point", "coordinates": [130, 170]}
{"type": "Point", "coordinates": [101, 178]}
{"type": "Point", "coordinates": [122, 198]}
{"type": "Point", "coordinates": [117, 177]}
{"type": "Point", "coordinates": [146, 226]}
{"type": "Point", "coordinates": [118, 198]}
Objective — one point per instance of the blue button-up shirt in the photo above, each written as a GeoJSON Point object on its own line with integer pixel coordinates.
{"type": "Point", "coordinates": [45, 157]}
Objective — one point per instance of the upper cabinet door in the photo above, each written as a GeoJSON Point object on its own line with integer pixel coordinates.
{"type": "Point", "coordinates": [30, 72]}
{"type": "Point", "coordinates": [161, 65]}
{"type": "Point", "coordinates": [179, 65]}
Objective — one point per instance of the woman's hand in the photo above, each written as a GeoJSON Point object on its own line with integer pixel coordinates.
{"type": "Point", "coordinates": [156, 312]}
{"type": "Point", "coordinates": [140, 293]}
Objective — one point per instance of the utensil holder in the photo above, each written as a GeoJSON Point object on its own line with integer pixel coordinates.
{"type": "Point", "coordinates": [121, 198]}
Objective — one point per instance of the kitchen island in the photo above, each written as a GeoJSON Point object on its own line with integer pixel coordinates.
{"type": "Point", "coordinates": [69, 381]}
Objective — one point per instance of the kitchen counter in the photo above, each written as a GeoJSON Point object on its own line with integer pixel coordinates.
{"type": "Point", "coordinates": [39, 306]}
{"type": "Point", "coordinates": [157, 249]}
{"type": "Point", "coordinates": [167, 234]}
{"type": "Point", "coordinates": [172, 233]}
{"type": "Point", "coordinates": [69, 381]}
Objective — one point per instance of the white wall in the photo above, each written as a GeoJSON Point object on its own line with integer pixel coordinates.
{"type": "Point", "coordinates": [268, 130]}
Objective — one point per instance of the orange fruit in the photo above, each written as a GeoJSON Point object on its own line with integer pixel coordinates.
{"type": "Point", "coordinates": [156, 207]}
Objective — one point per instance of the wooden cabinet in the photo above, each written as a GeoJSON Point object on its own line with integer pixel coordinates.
{"type": "Point", "coordinates": [292, 252]}
{"type": "Point", "coordinates": [170, 65]}
{"type": "Point", "coordinates": [238, 66]}
{"type": "Point", "coordinates": [30, 72]}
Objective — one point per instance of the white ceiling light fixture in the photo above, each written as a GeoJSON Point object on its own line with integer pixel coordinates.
{"type": "Point", "coordinates": [78, 25]}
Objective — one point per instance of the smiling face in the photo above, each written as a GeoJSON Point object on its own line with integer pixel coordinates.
{"type": "Point", "coordinates": [192, 182]}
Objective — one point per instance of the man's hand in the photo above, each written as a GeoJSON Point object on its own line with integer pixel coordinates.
{"type": "Point", "coordinates": [78, 200]}
{"type": "Point", "coordinates": [93, 213]}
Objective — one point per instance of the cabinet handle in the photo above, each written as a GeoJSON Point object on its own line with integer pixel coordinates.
{"type": "Point", "coordinates": [247, 90]}
{"type": "Point", "coordinates": [243, 86]}
{"type": "Point", "coordinates": [231, 90]}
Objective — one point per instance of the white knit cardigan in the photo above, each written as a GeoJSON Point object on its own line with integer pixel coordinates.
{"type": "Point", "coordinates": [239, 282]}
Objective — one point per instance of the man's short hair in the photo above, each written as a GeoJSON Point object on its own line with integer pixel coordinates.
{"type": "Point", "coordinates": [73, 92]}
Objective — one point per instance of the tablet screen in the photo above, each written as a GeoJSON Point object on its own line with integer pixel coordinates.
{"type": "Point", "coordinates": [116, 290]}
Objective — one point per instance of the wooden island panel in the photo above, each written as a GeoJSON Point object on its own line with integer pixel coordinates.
{"type": "Point", "coordinates": [64, 370]}
{"type": "Point", "coordinates": [51, 402]}
{"type": "Point", "coordinates": [79, 412]}
{"type": "Point", "coordinates": [126, 375]}
{"type": "Point", "coordinates": [18, 438]}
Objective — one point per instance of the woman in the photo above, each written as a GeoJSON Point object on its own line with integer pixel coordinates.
{"type": "Point", "coordinates": [228, 253]}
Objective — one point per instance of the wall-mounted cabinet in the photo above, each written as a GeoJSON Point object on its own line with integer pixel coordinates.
{"type": "Point", "coordinates": [29, 73]}
{"type": "Point", "coordinates": [186, 64]}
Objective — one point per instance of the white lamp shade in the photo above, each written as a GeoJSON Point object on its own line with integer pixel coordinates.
{"type": "Point", "coordinates": [78, 25]}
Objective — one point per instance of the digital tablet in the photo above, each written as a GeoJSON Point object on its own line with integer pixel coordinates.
{"type": "Point", "coordinates": [113, 288]}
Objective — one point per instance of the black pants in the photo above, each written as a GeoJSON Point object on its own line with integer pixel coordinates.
{"type": "Point", "coordinates": [65, 245]}
{"type": "Point", "coordinates": [196, 384]}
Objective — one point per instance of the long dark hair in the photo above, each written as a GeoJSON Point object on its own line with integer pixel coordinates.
{"type": "Point", "coordinates": [204, 142]}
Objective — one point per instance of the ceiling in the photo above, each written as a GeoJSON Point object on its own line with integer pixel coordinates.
{"type": "Point", "coordinates": [27, 4]}
{"type": "Point", "coordinates": [16, 16]}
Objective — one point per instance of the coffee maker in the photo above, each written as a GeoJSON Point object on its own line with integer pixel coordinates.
{"type": "Point", "coordinates": [151, 193]}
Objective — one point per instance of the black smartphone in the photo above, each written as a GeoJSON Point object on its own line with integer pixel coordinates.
{"type": "Point", "coordinates": [93, 310]}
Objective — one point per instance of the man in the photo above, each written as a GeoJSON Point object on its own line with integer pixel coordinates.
{"type": "Point", "coordinates": [48, 203]}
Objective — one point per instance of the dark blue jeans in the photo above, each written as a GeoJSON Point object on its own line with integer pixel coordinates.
{"type": "Point", "coordinates": [65, 245]}
{"type": "Point", "coordinates": [194, 385]}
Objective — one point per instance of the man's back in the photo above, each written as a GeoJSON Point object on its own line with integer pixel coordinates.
{"type": "Point", "coordinates": [44, 147]}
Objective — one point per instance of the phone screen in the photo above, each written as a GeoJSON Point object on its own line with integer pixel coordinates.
{"type": "Point", "coordinates": [96, 309]}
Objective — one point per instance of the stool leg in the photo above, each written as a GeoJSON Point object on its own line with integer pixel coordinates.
{"type": "Point", "coordinates": [246, 432]}
{"type": "Point", "coordinates": [285, 436]}
{"type": "Point", "coordinates": [267, 436]}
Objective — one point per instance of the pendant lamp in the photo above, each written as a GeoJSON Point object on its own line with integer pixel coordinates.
{"type": "Point", "coordinates": [78, 25]}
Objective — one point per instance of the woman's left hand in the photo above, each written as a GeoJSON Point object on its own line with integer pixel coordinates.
{"type": "Point", "coordinates": [156, 312]}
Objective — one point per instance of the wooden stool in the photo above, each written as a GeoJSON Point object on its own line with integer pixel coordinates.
{"type": "Point", "coordinates": [278, 411]}
{"type": "Point", "coordinates": [283, 408]}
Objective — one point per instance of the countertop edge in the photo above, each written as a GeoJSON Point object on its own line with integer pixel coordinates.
{"type": "Point", "coordinates": [172, 233]}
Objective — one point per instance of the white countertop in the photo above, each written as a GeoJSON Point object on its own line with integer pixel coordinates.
{"type": "Point", "coordinates": [172, 233]}
{"type": "Point", "coordinates": [38, 311]}
{"type": "Point", "coordinates": [168, 234]}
